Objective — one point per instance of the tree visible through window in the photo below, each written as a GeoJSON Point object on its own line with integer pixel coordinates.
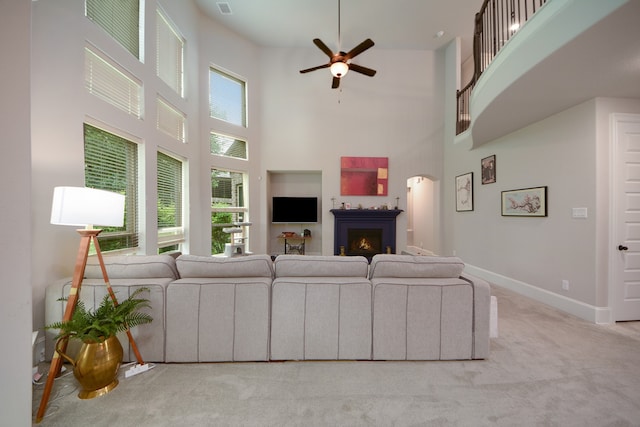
{"type": "Point", "coordinates": [227, 205]}
{"type": "Point", "coordinates": [227, 146]}
{"type": "Point", "coordinates": [170, 227]}
{"type": "Point", "coordinates": [111, 163]}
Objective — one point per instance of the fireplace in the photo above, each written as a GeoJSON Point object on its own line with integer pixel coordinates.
{"type": "Point", "coordinates": [364, 241]}
{"type": "Point", "coordinates": [364, 232]}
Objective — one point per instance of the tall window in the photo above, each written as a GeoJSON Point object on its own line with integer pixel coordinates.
{"type": "Point", "coordinates": [169, 51]}
{"type": "Point", "coordinates": [227, 205]}
{"type": "Point", "coordinates": [111, 163]}
{"type": "Point", "coordinates": [227, 98]}
{"type": "Point", "coordinates": [222, 145]}
{"type": "Point", "coordinates": [170, 227]}
{"type": "Point", "coordinates": [119, 18]}
{"type": "Point", "coordinates": [112, 84]}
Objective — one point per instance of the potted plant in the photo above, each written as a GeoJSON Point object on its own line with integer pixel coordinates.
{"type": "Point", "coordinates": [98, 360]}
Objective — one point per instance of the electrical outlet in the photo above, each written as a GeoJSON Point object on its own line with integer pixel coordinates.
{"type": "Point", "coordinates": [565, 285]}
{"type": "Point", "coordinates": [38, 353]}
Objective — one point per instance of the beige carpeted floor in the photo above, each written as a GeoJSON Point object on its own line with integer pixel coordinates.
{"type": "Point", "coordinates": [546, 368]}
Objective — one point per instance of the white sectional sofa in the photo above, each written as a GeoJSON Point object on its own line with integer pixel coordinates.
{"type": "Point", "coordinates": [425, 308]}
{"type": "Point", "coordinates": [219, 309]}
{"type": "Point", "coordinates": [321, 308]}
{"type": "Point", "coordinates": [250, 308]}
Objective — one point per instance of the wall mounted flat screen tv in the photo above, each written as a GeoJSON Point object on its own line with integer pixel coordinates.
{"type": "Point", "coordinates": [295, 209]}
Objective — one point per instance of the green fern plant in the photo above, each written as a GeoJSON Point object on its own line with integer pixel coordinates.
{"type": "Point", "coordinates": [106, 320]}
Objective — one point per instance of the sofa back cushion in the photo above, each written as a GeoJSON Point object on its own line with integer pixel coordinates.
{"type": "Point", "coordinates": [320, 266]}
{"type": "Point", "coordinates": [384, 265]}
{"type": "Point", "coordinates": [242, 266]}
{"type": "Point", "coordinates": [133, 266]}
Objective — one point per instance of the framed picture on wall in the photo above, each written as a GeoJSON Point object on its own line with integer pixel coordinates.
{"type": "Point", "coordinates": [488, 167]}
{"type": "Point", "coordinates": [464, 192]}
{"type": "Point", "coordinates": [364, 176]}
{"type": "Point", "coordinates": [525, 202]}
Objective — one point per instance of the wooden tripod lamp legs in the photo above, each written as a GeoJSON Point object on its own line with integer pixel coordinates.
{"type": "Point", "coordinates": [86, 237]}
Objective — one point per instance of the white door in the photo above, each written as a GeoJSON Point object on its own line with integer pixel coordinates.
{"type": "Point", "coordinates": [626, 265]}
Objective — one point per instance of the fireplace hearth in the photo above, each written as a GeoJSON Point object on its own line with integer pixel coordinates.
{"type": "Point", "coordinates": [364, 232]}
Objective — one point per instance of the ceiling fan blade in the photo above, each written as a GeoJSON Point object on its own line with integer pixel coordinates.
{"type": "Point", "coordinates": [323, 47]}
{"type": "Point", "coordinates": [362, 70]}
{"type": "Point", "coordinates": [359, 49]}
{"type": "Point", "coordinates": [335, 83]}
{"type": "Point", "coordinates": [315, 68]}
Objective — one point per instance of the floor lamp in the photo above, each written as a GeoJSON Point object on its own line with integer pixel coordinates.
{"type": "Point", "coordinates": [80, 206]}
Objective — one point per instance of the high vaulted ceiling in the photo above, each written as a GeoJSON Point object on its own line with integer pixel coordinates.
{"type": "Point", "coordinates": [399, 24]}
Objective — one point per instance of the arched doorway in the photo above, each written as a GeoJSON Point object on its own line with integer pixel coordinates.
{"type": "Point", "coordinates": [422, 218]}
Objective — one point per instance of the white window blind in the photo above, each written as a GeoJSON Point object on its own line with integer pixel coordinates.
{"type": "Point", "coordinates": [227, 98]}
{"type": "Point", "coordinates": [170, 227]}
{"type": "Point", "coordinates": [111, 84]}
{"type": "Point", "coordinates": [171, 121]}
{"type": "Point", "coordinates": [169, 54]}
{"type": "Point", "coordinates": [111, 163]}
{"type": "Point", "coordinates": [120, 19]}
{"type": "Point", "coordinates": [222, 145]}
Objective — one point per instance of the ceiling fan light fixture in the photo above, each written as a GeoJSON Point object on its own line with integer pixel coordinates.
{"type": "Point", "coordinates": [339, 69]}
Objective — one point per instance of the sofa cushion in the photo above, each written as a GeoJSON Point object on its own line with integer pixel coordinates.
{"type": "Point", "coordinates": [384, 265]}
{"type": "Point", "coordinates": [320, 266]}
{"type": "Point", "coordinates": [133, 267]}
{"type": "Point", "coordinates": [243, 266]}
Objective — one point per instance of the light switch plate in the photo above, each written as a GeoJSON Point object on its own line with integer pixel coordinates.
{"type": "Point", "coordinates": [579, 212]}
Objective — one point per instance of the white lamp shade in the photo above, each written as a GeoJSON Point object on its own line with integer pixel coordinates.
{"type": "Point", "coordinates": [81, 206]}
{"type": "Point", "coordinates": [339, 69]}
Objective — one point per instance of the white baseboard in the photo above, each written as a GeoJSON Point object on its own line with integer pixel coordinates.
{"type": "Point", "coordinates": [599, 315]}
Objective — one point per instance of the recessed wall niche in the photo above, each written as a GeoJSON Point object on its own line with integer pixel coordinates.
{"type": "Point", "coordinates": [294, 184]}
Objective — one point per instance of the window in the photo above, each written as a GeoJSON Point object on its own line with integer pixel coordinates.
{"type": "Point", "coordinates": [171, 121]}
{"type": "Point", "coordinates": [112, 84]}
{"type": "Point", "coordinates": [170, 228]}
{"type": "Point", "coordinates": [119, 18]}
{"type": "Point", "coordinates": [227, 98]}
{"type": "Point", "coordinates": [227, 205]}
{"type": "Point", "coordinates": [111, 163]}
{"type": "Point", "coordinates": [169, 51]}
{"type": "Point", "coordinates": [227, 146]}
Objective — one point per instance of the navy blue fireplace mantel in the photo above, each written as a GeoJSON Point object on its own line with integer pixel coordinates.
{"type": "Point", "coordinates": [364, 220]}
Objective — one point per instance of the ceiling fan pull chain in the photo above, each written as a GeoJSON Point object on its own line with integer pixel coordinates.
{"type": "Point", "coordinates": [339, 35]}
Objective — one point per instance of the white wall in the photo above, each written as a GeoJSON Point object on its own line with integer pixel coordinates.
{"type": "Point", "coordinates": [558, 153]}
{"type": "Point", "coordinates": [15, 205]}
{"type": "Point", "coordinates": [568, 153]}
{"type": "Point", "coordinates": [308, 126]}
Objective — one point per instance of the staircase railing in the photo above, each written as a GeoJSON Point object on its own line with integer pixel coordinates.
{"type": "Point", "coordinates": [495, 23]}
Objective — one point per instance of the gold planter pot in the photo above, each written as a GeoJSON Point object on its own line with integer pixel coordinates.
{"type": "Point", "coordinates": [96, 366]}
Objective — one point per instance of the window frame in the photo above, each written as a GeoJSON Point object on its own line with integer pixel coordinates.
{"type": "Point", "coordinates": [241, 212]}
{"type": "Point", "coordinates": [130, 231]}
{"type": "Point", "coordinates": [171, 235]}
{"type": "Point", "coordinates": [244, 120]}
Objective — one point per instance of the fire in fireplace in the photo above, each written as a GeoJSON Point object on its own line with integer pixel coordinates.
{"type": "Point", "coordinates": [364, 241]}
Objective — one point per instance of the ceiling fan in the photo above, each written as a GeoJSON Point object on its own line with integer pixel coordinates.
{"type": "Point", "coordinates": [340, 62]}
